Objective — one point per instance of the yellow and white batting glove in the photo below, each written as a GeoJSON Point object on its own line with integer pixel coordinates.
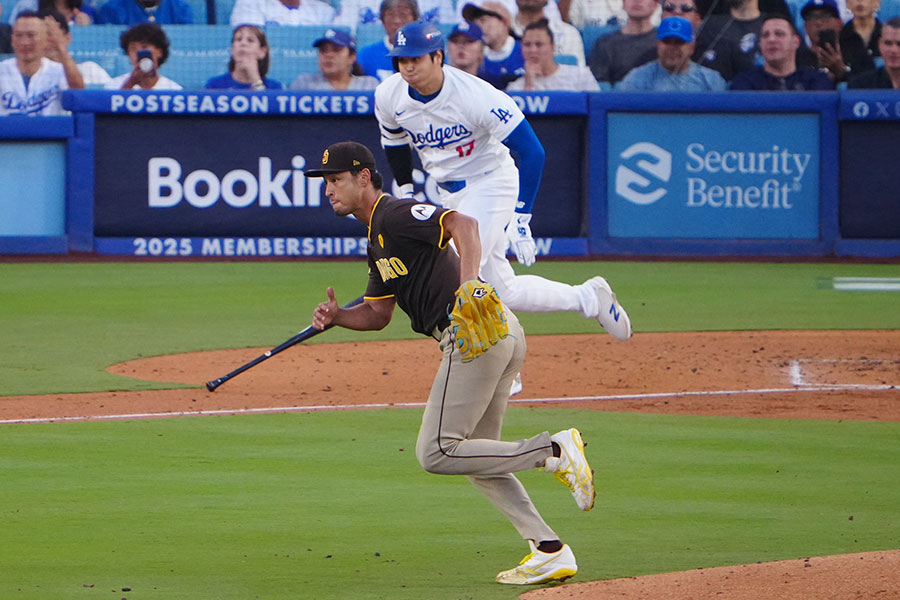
{"type": "Point", "coordinates": [477, 321]}
{"type": "Point", "coordinates": [518, 232]}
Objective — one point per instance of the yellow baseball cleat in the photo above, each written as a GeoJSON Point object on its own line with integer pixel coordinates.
{"type": "Point", "coordinates": [541, 567]}
{"type": "Point", "coordinates": [572, 468]}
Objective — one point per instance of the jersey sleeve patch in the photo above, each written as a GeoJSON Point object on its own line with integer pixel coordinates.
{"type": "Point", "coordinates": [422, 212]}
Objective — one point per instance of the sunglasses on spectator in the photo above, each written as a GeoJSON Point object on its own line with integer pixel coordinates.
{"type": "Point", "coordinates": [670, 7]}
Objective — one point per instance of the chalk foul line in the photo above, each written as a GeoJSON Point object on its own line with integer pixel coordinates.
{"type": "Point", "coordinates": [383, 405]}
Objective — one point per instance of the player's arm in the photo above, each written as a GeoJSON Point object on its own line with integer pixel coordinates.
{"type": "Point", "coordinates": [524, 143]}
{"type": "Point", "coordinates": [464, 231]}
{"type": "Point", "coordinates": [395, 141]}
{"type": "Point", "coordinates": [373, 314]}
{"type": "Point", "coordinates": [400, 160]}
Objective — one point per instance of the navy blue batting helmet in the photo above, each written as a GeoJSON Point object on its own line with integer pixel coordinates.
{"type": "Point", "coordinates": [417, 39]}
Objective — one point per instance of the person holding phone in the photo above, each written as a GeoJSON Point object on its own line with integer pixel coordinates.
{"type": "Point", "coordinates": [147, 47]}
{"type": "Point", "coordinates": [837, 57]}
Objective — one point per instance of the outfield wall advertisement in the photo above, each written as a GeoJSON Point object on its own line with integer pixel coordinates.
{"type": "Point", "coordinates": [708, 176]}
{"type": "Point", "coordinates": [213, 184]}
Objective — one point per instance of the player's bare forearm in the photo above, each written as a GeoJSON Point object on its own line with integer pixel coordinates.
{"type": "Point", "coordinates": [464, 231]}
{"type": "Point", "coordinates": [371, 315]}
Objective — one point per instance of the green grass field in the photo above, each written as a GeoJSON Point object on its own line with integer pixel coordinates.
{"type": "Point", "coordinates": [334, 505]}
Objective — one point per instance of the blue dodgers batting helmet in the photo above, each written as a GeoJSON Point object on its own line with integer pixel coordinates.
{"type": "Point", "coordinates": [417, 39]}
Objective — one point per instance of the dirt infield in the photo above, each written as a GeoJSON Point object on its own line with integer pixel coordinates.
{"type": "Point", "coordinates": [773, 374]}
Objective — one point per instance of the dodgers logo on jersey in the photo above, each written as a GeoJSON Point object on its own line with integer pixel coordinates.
{"type": "Point", "coordinates": [422, 212]}
{"type": "Point", "coordinates": [440, 137]}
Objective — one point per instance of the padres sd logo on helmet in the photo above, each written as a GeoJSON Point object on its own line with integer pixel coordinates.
{"type": "Point", "coordinates": [325, 157]}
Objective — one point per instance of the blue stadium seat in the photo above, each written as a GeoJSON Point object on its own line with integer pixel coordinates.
{"type": "Point", "coordinates": [889, 9]}
{"type": "Point", "coordinates": [368, 33]}
{"type": "Point", "coordinates": [195, 71]}
{"type": "Point", "coordinates": [100, 44]}
{"type": "Point", "coordinates": [196, 53]}
{"type": "Point", "coordinates": [223, 11]}
{"type": "Point", "coordinates": [8, 6]}
{"type": "Point", "coordinates": [199, 9]}
{"type": "Point", "coordinates": [565, 59]}
{"type": "Point", "coordinates": [591, 33]}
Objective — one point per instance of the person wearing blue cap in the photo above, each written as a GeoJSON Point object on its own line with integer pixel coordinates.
{"type": "Point", "coordinates": [673, 70]}
{"type": "Point", "coordinates": [249, 63]}
{"type": "Point", "coordinates": [338, 69]}
{"type": "Point", "coordinates": [394, 14]}
{"type": "Point", "coordinates": [465, 48]}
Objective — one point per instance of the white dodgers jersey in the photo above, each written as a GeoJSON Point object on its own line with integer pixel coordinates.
{"type": "Point", "coordinates": [44, 93]}
{"type": "Point", "coordinates": [458, 134]}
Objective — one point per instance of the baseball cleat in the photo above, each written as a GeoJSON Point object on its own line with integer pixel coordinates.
{"type": "Point", "coordinates": [572, 468]}
{"type": "Point", "coordinates": [541, 567]}
{"type": "Point", "coordinates": [516, 386]}
{"type": "Point", "coordinates": [612, 316]}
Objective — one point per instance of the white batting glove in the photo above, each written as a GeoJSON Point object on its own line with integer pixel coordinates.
{"type": "Point", "coordinates": [519, 234]}
{"type": "Point", "coordinates": [407, 190]}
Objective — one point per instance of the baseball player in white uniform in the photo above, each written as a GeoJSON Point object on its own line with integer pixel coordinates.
{"type": "Point", "coordinates": [31, 84]}
{"type": "Point", "coordinates": [463, 129]}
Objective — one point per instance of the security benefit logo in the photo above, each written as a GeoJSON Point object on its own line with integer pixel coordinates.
{"type": "Point", "coordinates": [642, 175]}
{"type": "Point", "coordinates": [696, 177]}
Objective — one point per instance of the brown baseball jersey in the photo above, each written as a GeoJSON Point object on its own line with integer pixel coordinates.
{"type": "Point", "coordinates": [409, 260]}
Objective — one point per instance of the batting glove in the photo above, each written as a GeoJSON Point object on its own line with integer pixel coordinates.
{"type": "Point", "coordinates": [519, 234]}
{"type": "Point", "coordinates": [407, 190]}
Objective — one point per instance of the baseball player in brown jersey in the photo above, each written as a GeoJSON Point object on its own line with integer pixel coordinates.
{"type": "Point", "coordinates": [411, 264]}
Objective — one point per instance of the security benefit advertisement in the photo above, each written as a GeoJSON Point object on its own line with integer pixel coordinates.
{"type": "Point", "coordinates": [705, 176]}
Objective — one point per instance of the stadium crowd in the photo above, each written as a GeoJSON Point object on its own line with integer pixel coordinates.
{"type": "Point", "coordinates": [571, 45]}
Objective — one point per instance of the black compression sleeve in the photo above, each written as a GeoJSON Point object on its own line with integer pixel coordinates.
{"type": "Point", "coordinates": [401, 161]}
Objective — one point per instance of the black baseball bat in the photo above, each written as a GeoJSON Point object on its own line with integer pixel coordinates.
{"type": "Point", "coordinates": [293, 341]}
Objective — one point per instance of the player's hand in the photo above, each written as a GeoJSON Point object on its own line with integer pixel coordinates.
{"type": "Point", "coordinates": [325, 312]}
{"type": "Point", "coordinates": [407, 190]}
{"type": "Point", "coordinates": [518, 231]}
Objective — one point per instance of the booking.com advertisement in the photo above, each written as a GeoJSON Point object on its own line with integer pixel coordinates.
{"type": "Point", "coordinates": [235, 186]}
{"type": "Point", "coordinates": [706, 176]}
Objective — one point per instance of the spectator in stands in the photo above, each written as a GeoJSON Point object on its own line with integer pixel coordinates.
{"type": "Point", "coordinates": [634, 45]}
{"type": "Point", "coordinates": [541, 71]}
{"type": "Point", "coordinates": [248, 64]}
{"type": "Point", "coordinates": [594, 13]}
{"type": "Point", "coordinates": [861, 34]}
{"type": "Point", "coordinates": [58, 39]}
{"type": "Point", "coordinates": [132, 12]}
{"type": "Point", "coordinates": [147, 47]}
{"type": "Point", "coordinates": [74, 11]}
{"type": "Point", "coordinates": [567, 39]}
{"type": "Point", "coordinates": [822, 21]}
{"type": "Point", "coordinates": [31, 83]}
{"type": "Point", "coordinates": [730, 43]}
{"type": "Point", "coordinates": [465, 49]}
{"type": "Point", "coordinates": [355, 12]}
{"type": "Point", "coordinates": [673, 71]}
{"type": "Point", "coordinates": [338, 69]}
{"type": "Point", "coordinates": [779, 41]}
{"type": "Point", "coordinates": [503, 60]}
{"type": "Point", "coordinates": [888, 76]}
{"type": "Point", "coordinates": [394, 14]}
{"type": "Point", "coordinates": [686, 9]}
{"type": "Point", "coordinates": [281, 12]}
